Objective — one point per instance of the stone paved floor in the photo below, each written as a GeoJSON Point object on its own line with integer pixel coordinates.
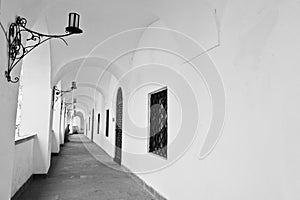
{"type": "Point", "coordinates": [76, 174]}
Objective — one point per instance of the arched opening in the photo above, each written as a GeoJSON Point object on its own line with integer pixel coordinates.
{"type": "Point", "coordinates": [118, 129]}
{"type": "Point", "coordinates": [76, 124]}
{"type": "Point", "coordinates": [93, 116]}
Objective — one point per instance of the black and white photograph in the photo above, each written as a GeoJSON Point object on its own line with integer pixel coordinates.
{"type": "Point", "coordinates": [150, 100]}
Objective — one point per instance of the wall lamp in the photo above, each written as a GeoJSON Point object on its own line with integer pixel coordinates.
{"type": "Point", "coordinates": [58, 93]}
{"type": "Point", "coordinates": [17, 51]}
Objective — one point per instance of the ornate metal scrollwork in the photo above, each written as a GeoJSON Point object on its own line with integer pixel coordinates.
{"type": "Point", "coordinates": [57, 93]}
{"type": "Point", "coordinates": [17, 51]}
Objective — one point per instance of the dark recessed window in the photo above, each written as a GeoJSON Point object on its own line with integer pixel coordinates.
{"type": "Point", "coordinates": [158, 119]}
{"type": "Point", "coordinates": [107, 123]}
{"type": "Point", "coordinates": [98, 128]}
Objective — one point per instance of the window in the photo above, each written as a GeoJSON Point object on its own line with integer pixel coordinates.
{"type": "Point", "coordinates": [107, 123]}
{"type": "Point", "coordinates": [158, 119]}
{"type": "Point", "coordinates": [98, 128]}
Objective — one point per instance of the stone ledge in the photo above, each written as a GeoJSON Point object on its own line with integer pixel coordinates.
{"type": "Point", "coordinates": [23, 139]}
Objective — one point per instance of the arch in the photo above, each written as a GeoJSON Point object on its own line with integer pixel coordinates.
{"type": "Point", "coordinates": [81, 116]}
{"type": "Point", "coordinates": [118, 128]}
{"type": "Point", "coordinates": [82, 110]}
{"type": "Point", "coordinates": [84, 105]}
{"type": "Point", "coordinates": [80, 96]}
{"type": "Point", "coordinates": [90, 85]}
{"type": "Point", "coordinates": [77, 64]}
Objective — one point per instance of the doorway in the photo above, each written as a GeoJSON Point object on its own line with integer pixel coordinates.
{"type": "Point", "coordinates": [98, 127]}
{"type": "Point", "coordinates": [118, 129]}
{"type": "Point", "coordinates": [92, 134]}
{"type": "Point", "coordinates": [107, 123]}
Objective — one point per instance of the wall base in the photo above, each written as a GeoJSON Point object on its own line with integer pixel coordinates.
{"type": "Point", "coordinates": [54, 154]}
{"type": "Point", "coordinates": [145, 186]}
{"type": "Point", "coordinates": [26, 184]}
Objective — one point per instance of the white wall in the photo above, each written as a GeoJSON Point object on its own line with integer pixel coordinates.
{"type": "Point", "coordinates": [102, 105]}
{"type": "Point", "coordinates": [89, 125]}
{"type": "Point", "coordinates": [8, 101]}
{"type": "Point", "coordinates": [37, 102]}
{"type": "Point", "coordinates": [23, 164]}
{"type": "Point", "coordinates": [188, 103]}
{"type": "Point", "coordinates": [55, 144]}
{"type": "Point", "coordinates": [63, 125]}
{"type": "Point", "coordinates": [257, 155]}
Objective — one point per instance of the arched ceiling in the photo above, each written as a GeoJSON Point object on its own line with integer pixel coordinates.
{"type": "Point", "coordinates": [81, 109]}
{"type": "Point", "coordinates": [87, 58]}
{"type": "Point", "coordinates": [90, 85]}
{"type": "Point", "coordinates": [90, 74]}
{"type": "Point", "coordinates": [90, 58]}
{"type": "Point", "coordinates": [74, 68]}
{"type": "Point", "coordinates": [86, 98]}
{"type": "Point", "coordinates": [99, 20]}
{"type": "Point", "coordinates": [83, 105]}
{"type": "Point", "coordinates": [81, 112]}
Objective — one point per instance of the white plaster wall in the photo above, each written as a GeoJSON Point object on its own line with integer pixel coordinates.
{"type": "Point", "coordinates": [99, 108]}
{"type": "Point", "coordinates": [55, 143]}
{"type": "Point", "coordinates": [187, 98]}
{"type": "Point", "coordinates": [23, 164]}
{"type": "Point", "coordinates": [8, 101]}
{"type": "Point", "coordinates": [63, 125]}
{"type": "Point", "coordinates": [107, 143]}
{"type": "Point", "coordinates": [37, 102]}
{"type": "Point", "coordinates": [257, 156]}
{"type": "Point", "coordinates": [89, 125]}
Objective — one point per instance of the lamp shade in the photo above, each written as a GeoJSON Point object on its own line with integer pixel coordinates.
{"type": "Point", "coordinates": [73, 26]}
{"type": "Point", "coordinates": [74, 86]}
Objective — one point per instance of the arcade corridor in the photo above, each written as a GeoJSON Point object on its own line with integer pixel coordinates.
{"type": "Point", "coordinates": [173, 99]}
{"type": "Point", "coordinates": [76, 174]}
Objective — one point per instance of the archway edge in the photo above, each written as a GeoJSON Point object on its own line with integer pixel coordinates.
{"type": "Point", "coordinates": [77, 64]}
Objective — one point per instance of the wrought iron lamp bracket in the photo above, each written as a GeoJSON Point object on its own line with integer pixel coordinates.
{"type": "Point", "coordinates": [60, 93]}
{"type": "Point", "coordinates": [17, 51]}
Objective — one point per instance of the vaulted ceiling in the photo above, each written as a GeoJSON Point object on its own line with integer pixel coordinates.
{"type": "Point", "coordinates": [112, 29]}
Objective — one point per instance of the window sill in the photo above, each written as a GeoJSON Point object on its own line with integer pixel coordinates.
{"type": "Point", "coordinates": [19, 140]}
